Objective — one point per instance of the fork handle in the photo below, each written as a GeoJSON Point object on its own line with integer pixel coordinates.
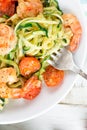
{"type": "Point", "coordinates": [80, 72]}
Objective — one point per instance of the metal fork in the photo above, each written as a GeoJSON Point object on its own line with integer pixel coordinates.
{"type": "Point", "coordinates": [63, 60]}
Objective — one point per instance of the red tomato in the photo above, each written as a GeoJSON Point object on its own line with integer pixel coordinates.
{"type": "Point", "coordinates": [7, 7]}
{"type": "Point", "coordinates": [32, 88]}
{"type": "Point", "coordinates": [29, 65]}
{"type": "Point", "coordinates": [53, 77]}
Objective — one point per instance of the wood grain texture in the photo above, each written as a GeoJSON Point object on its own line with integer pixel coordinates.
{"type": "Point", "coordinates": [61, 117]}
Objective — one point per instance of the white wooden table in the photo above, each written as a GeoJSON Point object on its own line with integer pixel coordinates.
{"type": "Point", "coordinates": [61, 117]}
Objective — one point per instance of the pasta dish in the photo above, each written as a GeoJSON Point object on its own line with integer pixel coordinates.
{"type": "Point", "coordinates": [30, 31]}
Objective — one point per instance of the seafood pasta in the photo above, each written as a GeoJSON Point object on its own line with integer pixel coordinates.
{"type": "Point", "coordinates": [30, 31]}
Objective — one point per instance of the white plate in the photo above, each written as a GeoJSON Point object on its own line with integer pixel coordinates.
{"type": "Point", "coordinates": [21, 110]}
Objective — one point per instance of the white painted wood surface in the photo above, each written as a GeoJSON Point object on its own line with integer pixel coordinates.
{"type": "Point", "coordinates": [61, 117]}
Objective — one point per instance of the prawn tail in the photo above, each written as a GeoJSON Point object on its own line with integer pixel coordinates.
{"type": "Point", "coordinates": [16, 93]}
{"type": "Point", "coordinates": [75, 41]}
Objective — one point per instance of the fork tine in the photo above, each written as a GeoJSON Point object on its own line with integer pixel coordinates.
{"type": "Point", "coordinates": [62, 50]}
{"type": "Point", "coordinates": [62, 59]}
{"type": "Point", "coordinates": [54, 57]}
{"type": "Point", "coordinates": [58, 53]}
{"type": "Point", "coordinates": [51, 62]}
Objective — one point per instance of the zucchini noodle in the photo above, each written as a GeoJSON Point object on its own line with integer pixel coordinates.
{"type": "Point", "coordinates": [44, 34]}
{"type": "Point", "coordinates": [3, 102]}
{"type": "Point", "coordinates": [10, 62]}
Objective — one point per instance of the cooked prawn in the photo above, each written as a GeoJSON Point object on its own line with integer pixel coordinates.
{"type": "Point", "coordinates": [7, 39]}
{"type": "Point", "coordinates": [29, 91]}
{"type": "Point", "coordinates": [8, 75]}
{"type": "Point", "coordinates": [29, 8]}
{"type": "Point", "coordinates": [72, 22]}
{"type": "Point", "coordinates": [7, 92]}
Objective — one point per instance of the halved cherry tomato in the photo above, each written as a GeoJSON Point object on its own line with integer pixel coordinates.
{"type": "Point", "coordinates": [29, 65]}
{"type": "Point", "coordinates": [53, 77]}
{"type": "Point", "coordinates": [32, 88]}
{"type": "Point", "coordinates": [7, 7]}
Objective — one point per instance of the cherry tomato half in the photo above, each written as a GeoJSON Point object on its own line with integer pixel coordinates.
{"type": "Point", "coordinates": [29, 65]}
{"type": "Point", "coordinates": [53, 77]}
